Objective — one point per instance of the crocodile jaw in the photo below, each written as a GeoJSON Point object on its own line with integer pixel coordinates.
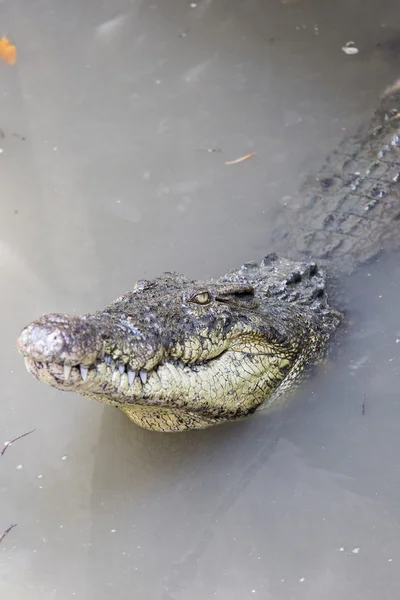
{"type": "Point", "coordinates": [215, 390]}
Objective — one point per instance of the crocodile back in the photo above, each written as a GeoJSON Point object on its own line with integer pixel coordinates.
{"type": "Point", "coordinates": [351, 210]}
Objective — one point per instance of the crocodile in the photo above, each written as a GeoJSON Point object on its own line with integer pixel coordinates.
{"type": "Point", "coordinates": [176, 354]}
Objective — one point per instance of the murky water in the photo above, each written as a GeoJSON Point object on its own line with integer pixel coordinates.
{"type": "Point", "coordinates": [106, 177]}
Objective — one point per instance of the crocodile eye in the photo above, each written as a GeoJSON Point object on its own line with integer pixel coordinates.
{"type": "Point", "coordinates": [142, 284]}
{"type": "Point", "coordinates": [202, 298]}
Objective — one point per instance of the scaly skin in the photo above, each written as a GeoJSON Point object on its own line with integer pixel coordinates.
{"type": "Point", "coordinates": [350, 212]}
{"type": "Point", "coordinates": [177, 354]}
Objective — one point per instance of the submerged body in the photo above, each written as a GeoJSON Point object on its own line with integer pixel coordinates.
{"type": "Point", "coordinates": [177, 354]}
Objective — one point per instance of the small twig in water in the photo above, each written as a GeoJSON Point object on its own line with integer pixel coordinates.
{"type": "Point", "coordinates": [241, 159]}
{"type": "Point", "coordinates": [6, 532]}
{"type": "Point", "coordinates": [363, 406]}
{"type": "Point", "coordinates": [15, 440]}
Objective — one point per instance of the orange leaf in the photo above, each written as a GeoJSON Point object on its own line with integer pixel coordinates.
{"type": "Point", "coordinates": [8, 51]}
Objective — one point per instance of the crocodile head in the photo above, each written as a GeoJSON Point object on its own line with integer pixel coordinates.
{"type": "Point", "coordinates": [174, 353]}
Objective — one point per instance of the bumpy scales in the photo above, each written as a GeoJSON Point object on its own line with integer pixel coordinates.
{"type": "Point", "coordinates": [177, 354]}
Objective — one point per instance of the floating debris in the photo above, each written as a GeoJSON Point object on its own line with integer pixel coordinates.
{"type": "Point", "coordinates": [7, 531]}
{"type": "Point", "coordinates": [209, 149]}
{"type": "Point", "coordinates": [8, 51]}
{"type": "Point", "coordinates": [7, 444]}
{"type": "Point", "coordinates": [241, 159]}
{"type": "Point", "coordinates": [350, 48]}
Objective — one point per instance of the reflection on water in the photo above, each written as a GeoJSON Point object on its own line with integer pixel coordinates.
{"type": "Point", "coordinates": [116, 103]}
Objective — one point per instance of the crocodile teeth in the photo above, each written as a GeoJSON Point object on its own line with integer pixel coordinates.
{"type": "Point", "coordinates": [67, 371]}
{"type": "Point", "coordinates": [26, 360]}
{"type": "Point", "coordinates": [102, 369]}
{"type": "Point", "coordinates": [84, 372]}
{"type": "Point", "coordinates": [143, 376]}
{"type": "Point", "coordinates": [107, 360]}
{"type": "Point", "coordinates": [121, 368]}
{"type": "Point", "coordinates": [131, 376]}
{"type": "Point", "coordinates": [112, 366]}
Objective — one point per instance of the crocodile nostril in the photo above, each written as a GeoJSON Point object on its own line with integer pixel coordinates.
{"type": "Point", "coordinates": [294, 277]}
{"type": "Point", "coordinates": [312, 269]}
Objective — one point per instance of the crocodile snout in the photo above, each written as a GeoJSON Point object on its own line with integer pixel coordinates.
{"type": "Point", "coordinates": [61, 339]}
